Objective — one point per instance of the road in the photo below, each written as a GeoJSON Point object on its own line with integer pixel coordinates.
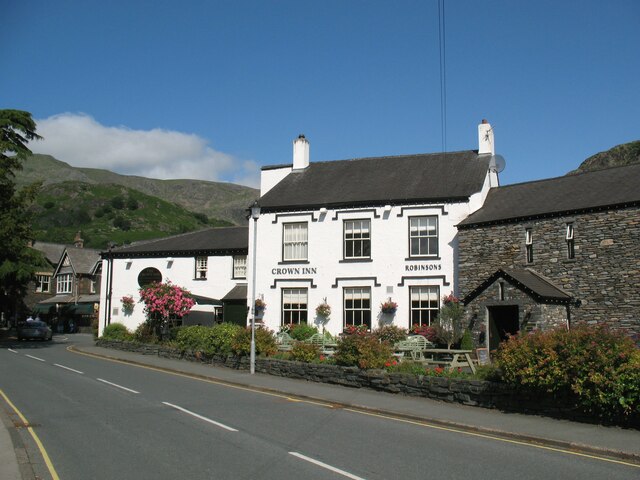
{"type": "Point", "coordinates": [106, 420]}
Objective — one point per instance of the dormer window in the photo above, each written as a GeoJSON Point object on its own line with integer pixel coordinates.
{"type": "Point", "coordinates": [571, 250]}
{"type": "Point", "coordinates": [528, 243]}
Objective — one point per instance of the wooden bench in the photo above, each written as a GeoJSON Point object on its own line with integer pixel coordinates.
{"type": "Point", "coordinates": [284, 342]}
{"type": "Point", "coordinates": [449, 358]}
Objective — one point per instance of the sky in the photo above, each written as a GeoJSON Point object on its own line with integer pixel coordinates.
{"type": "Point", "coordinates": [213, 90]}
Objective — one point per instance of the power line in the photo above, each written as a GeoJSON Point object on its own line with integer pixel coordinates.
{"type": "Point", "coordinates": [443, 74]}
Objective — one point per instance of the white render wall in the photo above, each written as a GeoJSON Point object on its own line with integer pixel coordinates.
{"type": "Point", "coordinates": [390, 272]}
{"type": "Point", "coordinates": [181, 272]}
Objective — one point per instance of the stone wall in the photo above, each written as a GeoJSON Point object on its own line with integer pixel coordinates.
{"type": "Point", "coordinates": [478, 393]}
{"type": "Point", "coordinates": [604, 276]}
{"type": "Point", "coordinates": [531, 315]}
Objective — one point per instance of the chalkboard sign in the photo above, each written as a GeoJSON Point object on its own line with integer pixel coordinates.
{"type": "Point", "coordinates": [483, 356]}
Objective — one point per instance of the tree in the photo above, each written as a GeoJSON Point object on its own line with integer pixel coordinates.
{"type": "Point", "coordinates": [164, 303]}
{"type": "Point", "coordinates": [18, 262]}
{"type": "Point", "coordinates": [448, 326]}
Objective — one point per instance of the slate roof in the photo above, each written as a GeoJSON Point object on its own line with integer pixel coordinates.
{"type": "Point", "coordinates": [211, 241]}
{"type": "Point", "coordinates": [238, 292]}
{"type": "Point", "coordinates": [51, 251]}
{"type": "Point", "coordinates": [83, 260]}
{"type": "Point", "coordinates": [602, 189]}
{"type": "Point", "coordinates": [421, 178]}
{"type": "Point", "coordinates": [527, 280]}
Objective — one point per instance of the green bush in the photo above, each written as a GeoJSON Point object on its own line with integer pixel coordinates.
{"type": "Point", "coordinates": [209, 340]}
{"type": "Point", "coordinates": [145, 334]}
{"type": "Point", "coordinates": [117, 202]}
{"type": "Point", "coordinates": [132, 203]}
{"type": "Point", "coordinates": [390, 334]}
{"type": "Point", "coordinates": [116, 331]}
{"type": "Point", "coordinates": [305, 352]}
{"type": "Point", "coordinates": [302, 331]}
{"type": "Point", "coordinates": [364, 351]}
{"type": "Point", "coordinates": [466, 343]}
{"type": "Point", "coordinates": [265, 342]}
{"type": "Point", "coordinates": [597, 368]}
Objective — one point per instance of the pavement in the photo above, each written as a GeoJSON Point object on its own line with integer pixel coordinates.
{"type": "Point", "coordinates": [588, 439]}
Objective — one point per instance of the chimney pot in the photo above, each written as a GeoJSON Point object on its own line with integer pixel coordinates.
{"type": "Point", "coordinates": [300, 153]}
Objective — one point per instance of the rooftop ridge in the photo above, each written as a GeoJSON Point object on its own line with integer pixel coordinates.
{"type": "Point", "coordinates": [355, 159]}
{"type": "Point", "coordinates": [568, 176]}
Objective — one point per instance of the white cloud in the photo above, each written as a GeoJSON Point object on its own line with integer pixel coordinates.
{"type": "Point", "coordinates": [81, 141]}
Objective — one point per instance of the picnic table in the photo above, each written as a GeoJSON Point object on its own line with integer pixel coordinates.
{"type": "Point", "coordinates": [450, 358]}
{"type": "Point", "coordinates": [326, 343]}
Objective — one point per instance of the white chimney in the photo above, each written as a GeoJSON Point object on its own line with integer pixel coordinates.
{"type": "Point", "coordinates": [300, 153]}
{"type": "Point", "coordinates": [485, 139]}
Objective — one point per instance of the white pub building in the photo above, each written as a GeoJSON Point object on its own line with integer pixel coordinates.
{"type": "Point", "coordinates": [360, 232]}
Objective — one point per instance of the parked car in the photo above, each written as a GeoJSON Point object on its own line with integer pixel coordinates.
{"type": "Point", "coordinates": [34, 329]}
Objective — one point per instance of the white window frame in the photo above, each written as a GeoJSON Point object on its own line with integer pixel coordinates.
{"type": "Point", "coordinates": [357, 233]}
{"type": "Point", "coordinates": [570, 232]}
{"type": "Point", "coordinates": [201, 264]}
{"type": "Point", "coordinates": [419, 232]}
{"type": "Point", "coordinates": [421, 302]}
{"type": "Point", "coordinates": [43, 283]}
{"type": "Point", "coordinates": [295, 306]}
{"type": "Point", "coordinates": [240, 266]}
{"type": "Point", "coordinates": [357, 314]}
{"type": "Point", "coordinates": [295, 242]}
{"type": "Point", "coordinates": [528, 244]}
{"type": "Point", "coordinates": [569, 237]}
{"type": "Point", "coordinates": [64, 283]}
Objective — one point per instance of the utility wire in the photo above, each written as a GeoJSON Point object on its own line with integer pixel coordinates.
{"type": "Point", "coordinates": [443, 73]}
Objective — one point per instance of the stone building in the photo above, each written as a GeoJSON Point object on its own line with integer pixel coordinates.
{"type": "Point", "coordinates": [554, 252]}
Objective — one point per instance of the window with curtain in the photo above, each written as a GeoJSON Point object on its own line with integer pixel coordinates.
{"type": "Point", "coordinates": [357, 306]}
{"type": "Point", "coordinates": [294, 305]}
{"type": "Point", "coordinates": [425, 304]}
{"type": "Point", "coordinates": [294, 242]}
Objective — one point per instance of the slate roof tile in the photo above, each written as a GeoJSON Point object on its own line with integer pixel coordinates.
{"type": "Point", "coordinates": [569, 194]}
{"type": "Point", "coordinates": [379, 181]}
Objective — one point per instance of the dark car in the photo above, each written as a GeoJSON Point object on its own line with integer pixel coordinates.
{"type": "Point", "coordinates": [34, 329]}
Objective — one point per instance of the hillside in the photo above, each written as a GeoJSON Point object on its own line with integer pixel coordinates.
{"type": "Point", "coordinates": [618, 156]}
{"type": "Point", "coordinates": [218, 200]}
{"type": "Point", "coordinates": [109, 213]}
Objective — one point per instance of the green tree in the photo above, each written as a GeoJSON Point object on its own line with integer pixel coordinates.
{"type": "Point", "coordinates": [18, 262]}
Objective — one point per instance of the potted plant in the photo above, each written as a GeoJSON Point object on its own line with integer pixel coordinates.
{"type": "Point", "coordinates": [389, 307]}
{"type": "Point", "coordinates": [127, 304]}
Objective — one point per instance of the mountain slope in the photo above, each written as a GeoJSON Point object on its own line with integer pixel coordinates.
{"type": "Point", "coordinates": [618, 156]}
{"type": "Point", "coordinates": [226, 201]}
{"type": "Point", "coordinates": [106, 213]}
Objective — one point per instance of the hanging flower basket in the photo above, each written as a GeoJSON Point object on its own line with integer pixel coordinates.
{"type": "Point", "coordinates": [323, 310]}
{"type": "Point", "coordinates": [389, 307]}
{"type": "Point", "coordinates": [260, 307]}
{"type": "Point", "coordinates": [127, 304]}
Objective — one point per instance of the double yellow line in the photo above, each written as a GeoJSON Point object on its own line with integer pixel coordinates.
{"type": "Point", "coordinates": [43, 452]}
